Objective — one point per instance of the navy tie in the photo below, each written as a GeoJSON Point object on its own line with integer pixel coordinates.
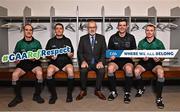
{"type": "Point", "coordinates": [92, 46]}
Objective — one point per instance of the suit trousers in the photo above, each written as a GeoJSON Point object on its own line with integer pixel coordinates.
{"type": "Point", "coordinates": [100, 73]}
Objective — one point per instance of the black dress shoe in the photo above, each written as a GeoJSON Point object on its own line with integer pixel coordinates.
{"type": "Point", "coordinates": [15, 101]}
{"type": "Point", "coordinates": [100, 95]}
{"type": "Point", "coordinates": [38, 99]}
{"type": "Point", "coordinates": [52, 100]}
{"type": "Point", "coordinates": [81, 95]}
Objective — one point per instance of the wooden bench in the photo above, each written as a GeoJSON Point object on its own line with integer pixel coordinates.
{"type": "Point", "coordinates": [170, 73]}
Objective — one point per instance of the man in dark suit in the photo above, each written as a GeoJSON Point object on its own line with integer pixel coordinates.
{"type": "Point", "coordinates": [91, 56]}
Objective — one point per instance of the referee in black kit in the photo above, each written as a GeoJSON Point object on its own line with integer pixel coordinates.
{"type": "Point", "coordinates": [121, 40]}
{"type": "Point", "coordinates": [60, 62]}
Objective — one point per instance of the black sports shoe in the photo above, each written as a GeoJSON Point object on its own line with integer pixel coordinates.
{"type": "Point", "coordinates": [127, 99]}
{"type": "Point", "coordinates": [69, 98]}
{"type": "Point", "coordinates": [38, 99]}
{"type": "Point", "coordinates": [159, 103]}
{"type": "Point", "coordinates": [52, 100]}
{"type": "Point", "coordinates": [140, 92]}
{"type": "Point", "coordinates": [112, 95]}
{"type": "Point", "coordinates": [15, 101]}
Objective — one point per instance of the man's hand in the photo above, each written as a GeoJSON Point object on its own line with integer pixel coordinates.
{"type": "Point", "coordinates": [112, 58]}
{"type": "Point", "coordinates": [84, 64]}
{"type": "Point", "coordinates": [156, 59]}
{"type": "Point", "coordinates": [54, 57]}
{"type": "Point", "coordinates": [145, 59]}
{"type": "Point", "coordinates": [17, 61]}
{"type": "Point", "coordinates": [32, 59]}
{"type": "Point", "coordinates": [99, 65]}
{"type": "Point", "coordinates": [70, 55]}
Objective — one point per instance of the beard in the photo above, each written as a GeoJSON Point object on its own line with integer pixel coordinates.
{"type": "Point", "coordinates": [92, 33]}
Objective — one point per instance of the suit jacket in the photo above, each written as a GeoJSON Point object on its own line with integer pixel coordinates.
{"type": "Point", "coordinates": [85, 52]}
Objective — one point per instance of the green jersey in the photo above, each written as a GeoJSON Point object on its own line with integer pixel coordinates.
{"type": "Point", "coordinates": [24, 46]}
{"type": "Point", "coordinates": [156, 44]}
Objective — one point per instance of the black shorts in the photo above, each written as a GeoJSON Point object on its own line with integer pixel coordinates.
{"type": "Point", "coordinates": [149, 65]}
{"type": "Point", "coordinates": [122, 61]}
{"type": "Point", "coordinates": [60, 64]}
{"type": "Point", "coordinates": [28, 65]}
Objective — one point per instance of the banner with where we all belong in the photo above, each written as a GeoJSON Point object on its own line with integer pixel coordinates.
{"type": "Point", "coordinates": [142, 53]}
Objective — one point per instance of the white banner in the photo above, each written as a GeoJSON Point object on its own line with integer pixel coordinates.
{"type": "Point", "coordinates": [142, 53]}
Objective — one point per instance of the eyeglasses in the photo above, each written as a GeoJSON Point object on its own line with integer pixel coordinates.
{"type": "Point", "coordinates": [92, 27]}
